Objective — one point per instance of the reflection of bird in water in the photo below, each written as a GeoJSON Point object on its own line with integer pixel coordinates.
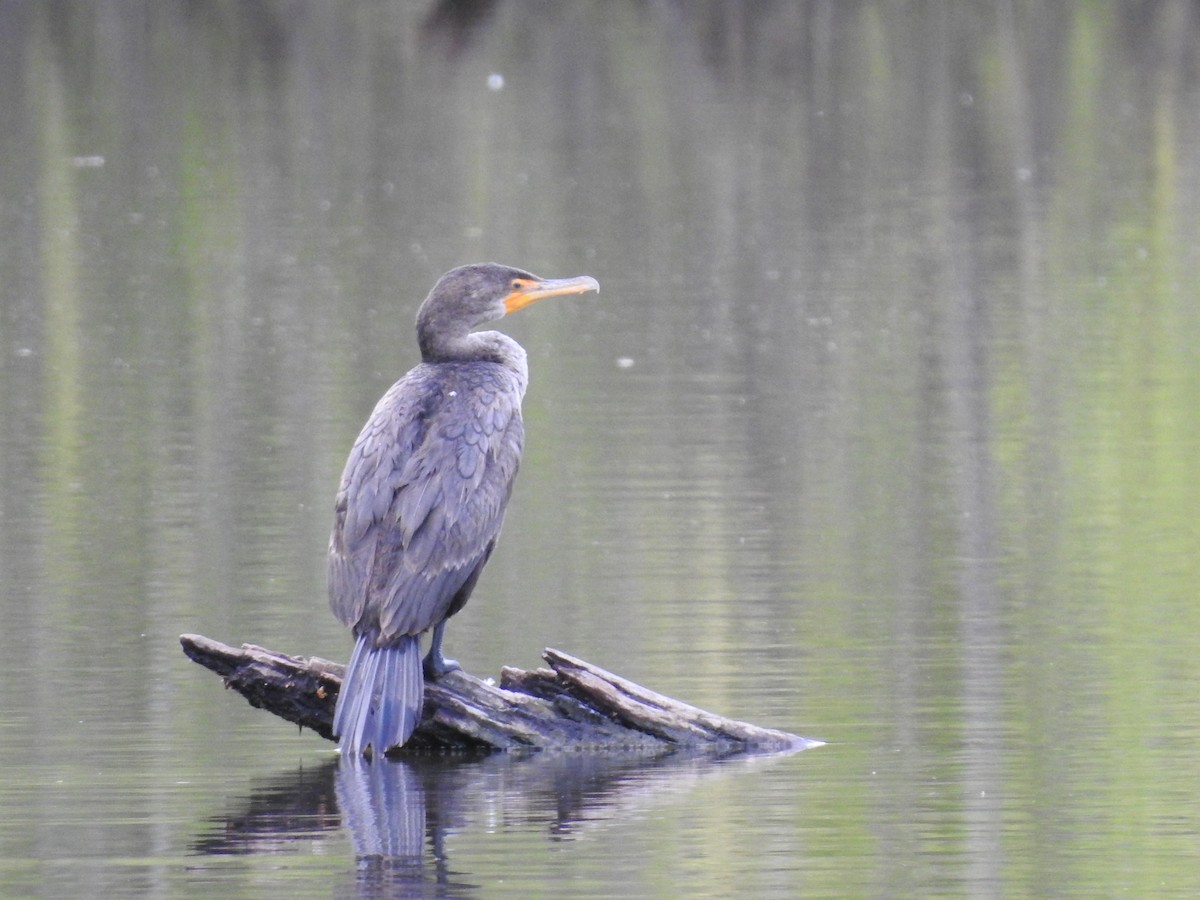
{"type": "Point", "coordinates": [422, 496]}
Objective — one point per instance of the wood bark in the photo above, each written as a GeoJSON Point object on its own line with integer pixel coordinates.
{"type": "Point", "coordinates": [571, 704]}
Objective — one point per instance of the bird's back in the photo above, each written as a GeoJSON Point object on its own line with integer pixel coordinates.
{"type": "Point", "coordinates": [422, 496]}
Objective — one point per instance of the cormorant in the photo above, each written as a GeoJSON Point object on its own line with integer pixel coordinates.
{"type": "Point", "coordinates": [423, 494]}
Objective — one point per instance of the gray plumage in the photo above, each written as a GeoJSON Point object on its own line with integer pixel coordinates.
{"type": "Point", "coordinates": [423, 494]}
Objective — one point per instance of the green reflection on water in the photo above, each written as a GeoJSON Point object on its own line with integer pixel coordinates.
{"type": "Point", "coordinates": [882, 428]}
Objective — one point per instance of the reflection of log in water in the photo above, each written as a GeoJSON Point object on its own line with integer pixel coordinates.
{"type": "Point", "coordinates": [279, 816]}
{"type": "Point", "coordinates": [399, 812]}
{"type": "Point", "coordinates": [573, 704]}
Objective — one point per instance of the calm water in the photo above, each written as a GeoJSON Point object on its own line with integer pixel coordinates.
{"type": "Point", "coordinates": [883, 430]}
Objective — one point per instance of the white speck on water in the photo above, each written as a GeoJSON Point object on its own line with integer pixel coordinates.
{"type": "Point", "coordinates": [87, 162]}
{"type": "Point", "coordinates": [624, 362]}
{"type": "Point", "coordinates": [454, 393]}
{"type": "Point", "coordinates": [495, 82]}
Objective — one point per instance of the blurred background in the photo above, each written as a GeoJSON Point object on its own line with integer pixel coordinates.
{"type": "Point", "coordinates": [882, 430]}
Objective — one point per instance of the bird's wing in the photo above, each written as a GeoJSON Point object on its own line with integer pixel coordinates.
{"type": "Point", "coordinates": [421, 502]}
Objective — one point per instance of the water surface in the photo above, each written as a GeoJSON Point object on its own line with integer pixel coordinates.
{"type": "Point", "coordinates": [882, 430]}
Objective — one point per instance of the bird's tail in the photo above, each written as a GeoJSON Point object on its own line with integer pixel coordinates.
{"type": "Point", "coordinates": [382, 692]}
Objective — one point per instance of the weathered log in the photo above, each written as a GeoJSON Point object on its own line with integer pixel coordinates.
{"type": "Point", "coordinates": [570, 705]}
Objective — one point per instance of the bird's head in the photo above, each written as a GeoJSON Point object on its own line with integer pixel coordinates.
{"type": "Point", "coordinates": [469, 296]}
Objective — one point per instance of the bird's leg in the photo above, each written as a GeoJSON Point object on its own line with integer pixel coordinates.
{"type": "Point", "coordinates": [437, 665]}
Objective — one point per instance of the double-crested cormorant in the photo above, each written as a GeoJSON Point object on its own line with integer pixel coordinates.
{"type": "Point", "coordinates": [423, 494]}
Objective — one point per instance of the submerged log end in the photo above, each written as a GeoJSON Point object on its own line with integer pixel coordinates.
{"type": "Point", "coordinates": [571, 705]}
{"type": "Point", "coordinates": [664, 717]}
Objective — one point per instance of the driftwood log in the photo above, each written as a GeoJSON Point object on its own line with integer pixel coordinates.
{"type": "Point", "coordinates": [570, 705]}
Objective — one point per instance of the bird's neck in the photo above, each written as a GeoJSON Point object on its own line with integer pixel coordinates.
{"type": "Point", "coordinates": [444, 338]}
{"type": "Point", "coordinates": [471, 346]}
{"type": "Point", "coordinates": [446, 346]}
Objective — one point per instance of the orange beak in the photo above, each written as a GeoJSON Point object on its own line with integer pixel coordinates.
{"type": "Point", "coordinates": [527, 290]}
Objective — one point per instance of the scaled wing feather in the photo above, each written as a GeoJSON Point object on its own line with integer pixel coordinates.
{"type": "Point", "coordinates": [421, 503]}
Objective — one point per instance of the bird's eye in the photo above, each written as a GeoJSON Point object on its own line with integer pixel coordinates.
{"type": "Point", "coordinates": [516, 285]}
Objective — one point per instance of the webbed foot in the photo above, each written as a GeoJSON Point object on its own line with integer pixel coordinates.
{"type": "Point", "coordinates": [436, 665]}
